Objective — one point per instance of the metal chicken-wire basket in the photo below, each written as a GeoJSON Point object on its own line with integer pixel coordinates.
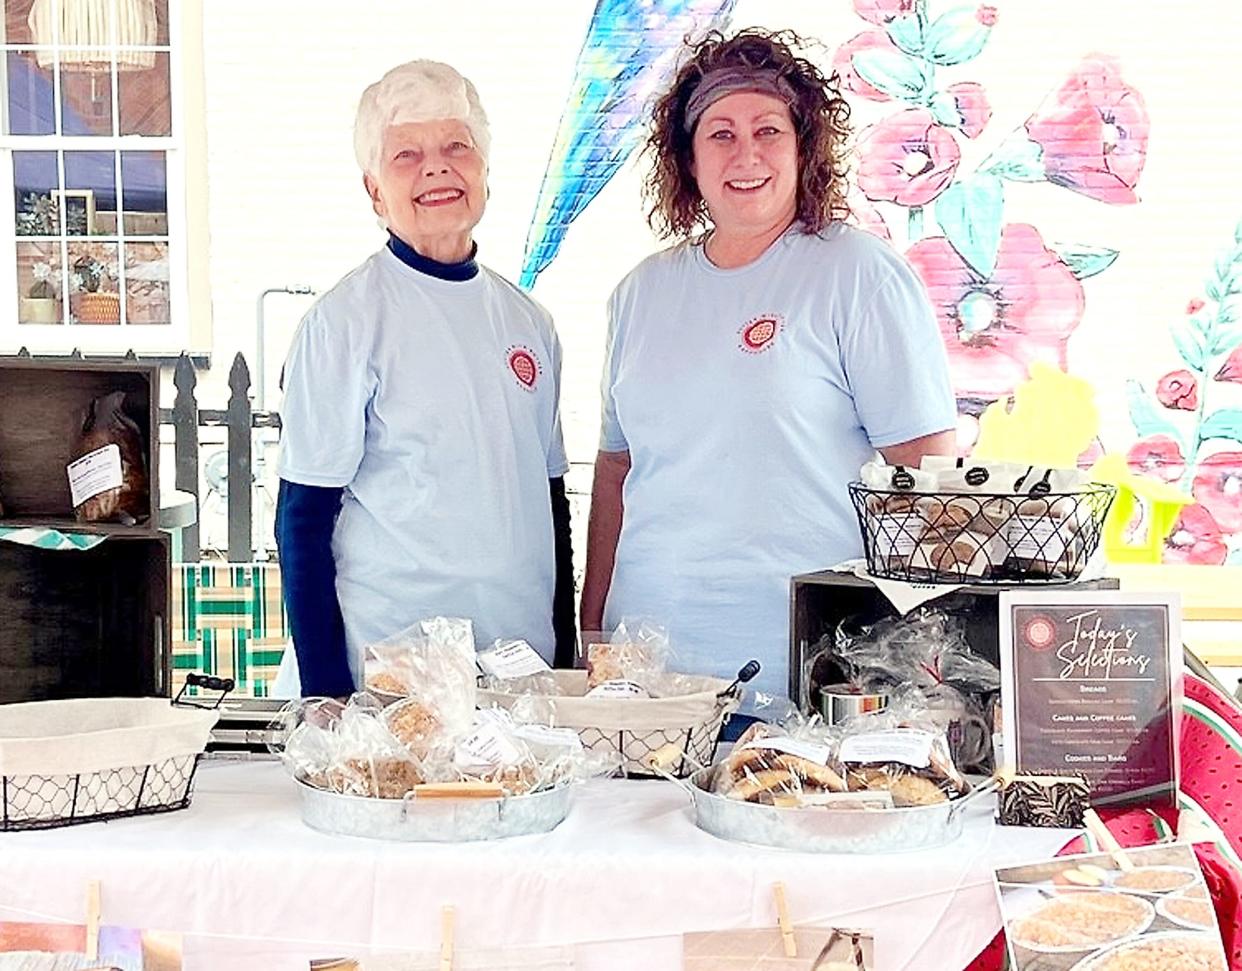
{"type": "Point", "coordinates": [91, 759]}
{"type": "Point", "coordinates": [988, 538]}
{"type": "Point", "coordinates": [636, 728]}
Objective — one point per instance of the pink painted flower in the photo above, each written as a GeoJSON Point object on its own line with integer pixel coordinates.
{"type": "Point", "coordinates": [908, 158]}
{"type": "Point", "coordinates": [843, 63]}
{"type": "Point", "coordinates": [1196, 538]}
{"type": "Point", "coordinates": [1194, 306]}
{"type": "Point", "coordinates": [1218, 486]}
{"type": "Point", "coordinates": [1178, 390]}
{"type": "Point", "coordinates": [1093, 132]}
{"type": "Point", "coordinates": [986, 15]}
{"type": "Point", "coordinates": [972, 104]}
{"type": "Point", "coordinates": [882, 11]}
{"type": "Point", "coordinates": [1157, 456]}
{"type": "Point", "coordinates": [867, 217]}
{"type": "Point", "coordinates": [996, 328]}
{"type": "Point", "coordinates": [1231, 370]}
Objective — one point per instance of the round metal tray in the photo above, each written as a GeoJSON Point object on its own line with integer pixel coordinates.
{"type": "Point", "coordinates": [821, 830]}
{"type": "Point", "coordinates": [433, 820]}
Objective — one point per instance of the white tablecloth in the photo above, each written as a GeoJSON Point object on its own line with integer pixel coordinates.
{"type": "Point", "coordinates": [619, 880]}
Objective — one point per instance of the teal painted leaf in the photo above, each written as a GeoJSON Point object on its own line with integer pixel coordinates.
{"type": "Point", "coordinates": [1189, 346]}
{"type": "Point", "coordinates": [907, 33]}
{"type": "Point", "coordinates": [1225, 339]}
{"type": "Point", "coordinates": [1146, 418]}
{"type": "Point", "coordinates": [970, 213]}
{"type": "Point", "coordinates": [1084, 260]}
{"type": "Point", "coordinates": [896, 74]}
{"type": "Point", "coordinates": [944, 110]}
{"type": "Point", "coordinates": [1234, 558]}
{"type": "Point", "coordinates": [956, 36]}
{"type": "Point", "coordinates": [1225, 423]}
{"type": "Point", "coordinates": [1213, 291]}
{"type": "Point", "coordinates": [1018, 159]}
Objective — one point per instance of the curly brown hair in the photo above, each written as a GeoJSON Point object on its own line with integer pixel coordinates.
{"type": "Point", "coordinates": [820, 115]}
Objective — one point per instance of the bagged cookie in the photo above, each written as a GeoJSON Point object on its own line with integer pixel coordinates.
{"type": "Point", "coordinates": [108, 474]}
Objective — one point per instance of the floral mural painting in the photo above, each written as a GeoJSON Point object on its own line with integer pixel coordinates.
{"type": "Point", "coordinates": [1007, 294]}
{"type": "Point", "coordinates": [1190, 425]}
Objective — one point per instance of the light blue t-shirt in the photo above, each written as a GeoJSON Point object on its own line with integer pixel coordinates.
{"type": "Point", "coordinates": [748, 399]}
{"type": "Point", "coordinates": [435, 404]}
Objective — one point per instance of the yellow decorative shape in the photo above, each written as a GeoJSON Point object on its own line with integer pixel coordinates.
{"type": "Point", "coordinates": [1052, 420]}
{"type": "Point", "coordinates": [1162, 503]}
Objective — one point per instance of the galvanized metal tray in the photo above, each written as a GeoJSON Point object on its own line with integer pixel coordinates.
{"type": "Point", "coordinates": [823, 830]}
{"type": "Point", "coordinates": [434, 820]}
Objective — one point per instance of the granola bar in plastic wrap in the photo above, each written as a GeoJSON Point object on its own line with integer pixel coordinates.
{"type": "Point", "coordinates": [432, 662]}
{"type": "Point", "coordinates": [637, 652]}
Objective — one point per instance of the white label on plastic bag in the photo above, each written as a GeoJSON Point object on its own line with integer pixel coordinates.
{"type": "Point", "coordinates": [515, 659]}
{"type": "Point", "coordinates": [618, 689]}
{"type": "Point", "coordinates": [95, 472]}
{"type": "Point", "coordinates": [487, 747]}
{"type": "Point", "coordinates": [908, 746]}
{"type": "Point", "coordinates": [895, 535]}
{"type": "Point", "coordinates": [869, 800]}
{"type": "Point", "coordinates": [549, 737]}
{"type": "Point", "coordinates": [1040, 537]}
{"type": "Point", "coordinates": [811, 751]}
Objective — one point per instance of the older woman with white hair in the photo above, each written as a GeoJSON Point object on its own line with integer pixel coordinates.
{"type": "Point", "coordinates": [421, 463]}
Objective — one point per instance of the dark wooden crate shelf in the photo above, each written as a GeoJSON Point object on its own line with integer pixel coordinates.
{"type": "Point", "coordinates": [85, 623]}
{"type": "Point", "coordinates": [41, 403]}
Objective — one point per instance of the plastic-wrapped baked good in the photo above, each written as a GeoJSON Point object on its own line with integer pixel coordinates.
{"type": "Point", "coordinates": [105, 425]}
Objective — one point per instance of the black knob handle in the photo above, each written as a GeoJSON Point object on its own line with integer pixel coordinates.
{"type": "Point", "coordinates": [748, 671]}
{"type": "Point", "coordinates": [210, 682]}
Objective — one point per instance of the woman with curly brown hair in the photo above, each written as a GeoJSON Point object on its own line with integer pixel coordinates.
{"type": "Point", "coordinates": [753, 367]}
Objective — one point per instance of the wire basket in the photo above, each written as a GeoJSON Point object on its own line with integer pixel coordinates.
{"type": "Point", "coordinates": [633, 729]}
{"type": "Point", "coordinates": [986, 538]}
{"type": "Point", "coordinates": [48, 801]}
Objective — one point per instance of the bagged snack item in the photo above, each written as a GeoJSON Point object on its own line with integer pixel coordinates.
{"type": "Point", "coordinates": [897, 520]}
{"type": "Point", "coordinates": [965, 556]}
{"type": "Point", "coordinates": [637, 651]}
{"type": "Point", "coordinates": [431, 662]}
{"type": "Point", "coordinates": [902, 751]}
{"type": "Point", "coordinates": [108, 471]}
{"type": "Point", "coordinates": [1045, 536]}
{"type": "Point", "coordinates": [515, 667]}
{"type": "Point", "coordinates": [492, 751]}
{"type": "Point", "coordinates": [770, 766]}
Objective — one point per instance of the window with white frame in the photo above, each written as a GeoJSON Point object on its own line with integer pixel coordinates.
{"type": "Point", "coordinates": [92, 244]}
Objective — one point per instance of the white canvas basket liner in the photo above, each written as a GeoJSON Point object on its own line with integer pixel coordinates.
{"type": "Point", "coordinates": [85, 735]}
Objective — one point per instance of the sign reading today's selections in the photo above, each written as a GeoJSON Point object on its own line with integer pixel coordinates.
{"type": "Point", "coordinates": [1091, 683]}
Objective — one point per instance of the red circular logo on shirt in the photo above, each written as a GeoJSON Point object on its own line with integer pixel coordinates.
{"type": "Point", "coordinates": [525, 366]}
{"type": "Point", "coordinates": [1039, 633]}
{"type": "Point", "coordinates": [757, 335]}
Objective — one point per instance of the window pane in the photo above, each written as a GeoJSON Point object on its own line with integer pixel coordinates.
{"type": "Point", "coordinates": [31, 100]}
{"type": "Point", "coordinates": [90, 193]}
{"type": "Point", "coordinates": [85, 93]}
{"type": "Point", "coordinates": [17, 22]}
{"type": "Point", "coordinates": [144, 190]}
{"type": "Point", "coordinates": [93, 273]}
{"type": "Point", "coordinates": [34, 182]}
{"type": "Point", "coordinates": [146, 102]}
{"type": "Point", "coordinates": [146, 283]}
{"type": "Point", "coordinates": [39, 283]}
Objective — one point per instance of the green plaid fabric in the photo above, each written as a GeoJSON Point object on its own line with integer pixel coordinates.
{"type": "Point", "coordinates": [229, 620]}
{"type": "Point", "coordinates": [49, 539]}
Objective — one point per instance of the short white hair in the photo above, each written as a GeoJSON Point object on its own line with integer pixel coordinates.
{"type": "Point", "coordinates": [413, 92]}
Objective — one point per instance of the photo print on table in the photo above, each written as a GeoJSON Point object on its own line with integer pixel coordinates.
{"type": "Point", "coordinates": [62, 947]}
{"type": "Point", "coordinates": [1144, 908]}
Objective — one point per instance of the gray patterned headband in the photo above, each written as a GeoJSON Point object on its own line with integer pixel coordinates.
{"type": "Point", "coordinates": [730, 80]}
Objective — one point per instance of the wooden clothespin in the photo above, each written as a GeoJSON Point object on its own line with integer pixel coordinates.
{"type": "Point", "coordinates": [447, 920]}
{"type": "Point", "coordinates": [782, 917]}
{"type": "Point", "coordinates": [92, 920]}
{"type": "Point", "coordinates": [1096, 827]}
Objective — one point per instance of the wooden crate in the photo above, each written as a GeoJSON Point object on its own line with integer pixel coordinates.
{"type": "Point", "coordinates": [86, 624]}
{"type": "Point", "coordinates": [41, 403]}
